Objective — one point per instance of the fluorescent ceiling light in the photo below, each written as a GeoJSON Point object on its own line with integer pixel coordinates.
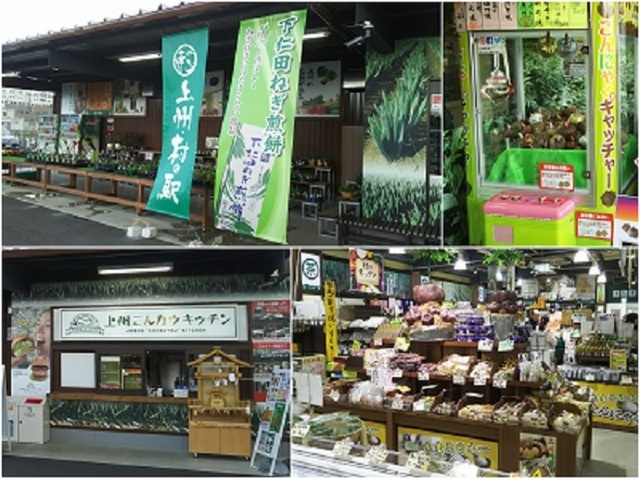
{"type": "Point", "coordinates": [140, 57]}
{"type": "Point", "coordinates": [151, 268]}
{"type": "Point", "coordinates": [348, 85]}
{"type": "Point", "coordinates": [519, 282]}
{"type": "Point", "coordinates": [602, 278]}
{"type": "Point", "coordinates": [10, 74]}
{"type": "Point", "coordinates": [315, 35]}
{"type": "Point", "coordinates": [594, 270]}
{"type": "Point", "coordinates": [397, 251]}
{"type": "Point", "coordinates": [581, 256]}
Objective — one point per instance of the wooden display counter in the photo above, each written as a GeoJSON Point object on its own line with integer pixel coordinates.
{"type": "Point", "coordinates": [500, 444]}
{"type": "Point", "coordinates": [43, 173]}
{"type": "Point", "coordinates": [118, 398]}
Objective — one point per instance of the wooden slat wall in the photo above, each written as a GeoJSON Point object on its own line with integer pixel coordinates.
{"type": "Point", "coordinates": [351, 156]}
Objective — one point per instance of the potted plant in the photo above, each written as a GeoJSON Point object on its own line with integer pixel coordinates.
{"type": "Point", "coordinates": [349, 190]}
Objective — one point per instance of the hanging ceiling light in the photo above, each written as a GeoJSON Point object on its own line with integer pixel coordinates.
{"type": "Point", "coordinates": [594, 270]}
{"type": "Point", "coordinates": [460, 264]}
{"type": "Point", "coordinates": [581, 256]}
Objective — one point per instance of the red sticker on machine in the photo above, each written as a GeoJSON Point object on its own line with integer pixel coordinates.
{"type": "Point", "coordinates": [594, 225]}
{"type": "Point", "coordinates": [555, 176]}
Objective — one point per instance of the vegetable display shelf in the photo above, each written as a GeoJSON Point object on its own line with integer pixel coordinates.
{"type": "Point", "coordinates": [572, 450]}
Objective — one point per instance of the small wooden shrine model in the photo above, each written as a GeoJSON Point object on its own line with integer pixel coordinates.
{"type": "Point", "coordinates": [219, 422]}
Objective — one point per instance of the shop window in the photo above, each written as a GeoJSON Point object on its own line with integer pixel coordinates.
{"type": "Point", "coordinates": [531, 92]}
{"type": "Point", "coordinates": [121, 372]}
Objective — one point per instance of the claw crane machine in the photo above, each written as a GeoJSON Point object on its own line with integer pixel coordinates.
{"type": "Point", "coordinates": [541, 106]}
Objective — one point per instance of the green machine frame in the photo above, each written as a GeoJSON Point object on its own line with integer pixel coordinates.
{"type": "Point", "coordinates": [602, 21]}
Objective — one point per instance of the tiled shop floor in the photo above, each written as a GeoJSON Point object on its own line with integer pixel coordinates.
{"type": "Point", "coordinates": [136, 457]}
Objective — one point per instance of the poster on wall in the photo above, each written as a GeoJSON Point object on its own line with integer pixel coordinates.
{"type": "Point", "coordinates": [585, 287]}
{"type": "Point", "coordinates": [441, 447]}
{"type": "Point", "coordinates": [366, 271]}
{"type": "Point", "coordinates": [68, 135]}
{"type": "Point", "coordinates": [213, 97]}
{"type": "Point", "coordinates": [396, 134]}
{"type": "Point", "coordinates": [251, 194]}
{"type": "Point", "coordinates": [319, 89]}
{"type": "Point", "coordinates": [47, 141]}
{"type": "Point", "coordinates": [538, 455]}
{"type": "Point", "coordinates": [625, 229]}
{"type": "Point", "coordinates": [128, 99]}
{"type": "Point", "coordinates": [30, 351]}
{"type": "Point", "coordinates": [89, 136]}
{"type": "Point", "coordinates": [310, 271]}
{"type": "Point", "coordinates": [184, 58]}
{"type": "Point", "coordinates": [99, 98]}
{"type": "Point", "coordinates": [74, 98]}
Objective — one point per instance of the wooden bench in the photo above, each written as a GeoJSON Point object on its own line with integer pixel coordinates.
{"type": "Point", "coordinates": [356, 230]}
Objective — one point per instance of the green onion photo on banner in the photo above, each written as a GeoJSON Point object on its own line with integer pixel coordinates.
{"type": "Point", "coordinates": [254, 157]}
{"type": "Point", "coordinates": [184, 59]}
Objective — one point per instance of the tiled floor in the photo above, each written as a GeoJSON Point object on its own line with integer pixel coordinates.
{"type": "Point", "coordinates": [135, 457]}
{"type": "Point", "coordinates": [614, 454]}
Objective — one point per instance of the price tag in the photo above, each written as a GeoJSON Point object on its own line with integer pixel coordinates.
{"type": "Point", "coordinates": [397, 373]}
{"type": "Point", "coordinates": [418, 405]}
{"type": "Point", "coordinates": [485, 345]}
{"type": "Point", "coordinates": [590, 377]}
{"type": "Point", "coordinates": [417, 461]}
{"type": "Point", "coordinates": [342, 449]}
{"type": "Point", "coordinates": [300, 430]}
{"type": "Point", "coordinates": [397, 403]}
{"type": "Point", "coordinates": [377, 341]}
{"type": "Point", "coordinates": [500, 383]}
{"type": "Point", "coordinates": [423, 375]}
{"type": "Point", "coordinates": [459, 380]}
{"type": "Point", "coordinates": [480, 381]}
{"type": "Point", "coordinates": [505, 346]}
{"type": "Point", "coordinates": [626, 380]}
{"type": "Point", "coordinates": [377, 455]}
{"type": "Point", "coordinates": [402, 344]}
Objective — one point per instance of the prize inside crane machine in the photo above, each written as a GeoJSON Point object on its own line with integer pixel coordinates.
{"type": "Point", "coordinates": [549, 105]}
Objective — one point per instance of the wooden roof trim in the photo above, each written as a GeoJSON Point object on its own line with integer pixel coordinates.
{"type": "Point", "coordinates": [219, 352]}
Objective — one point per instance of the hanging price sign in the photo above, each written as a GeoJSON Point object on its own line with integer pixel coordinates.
{"type": "Point", "coordinates": [417, 461]}
{"type": "Point", "coordinates": [377, 456]}
{"type": "Point", "coordinates": [342, 449]}
{"type": "Point", "coordinates": [300, 430]}
{"type": "Point", "coordinates": [397, 373]}
{"type": "Point", "coordinates": [505, 346]}
{"type": "Point", "coordinates": [480, 381]}
{"type": "Point", "coordinates": [500, 383]}
{"type": "Point", "coordinates": [459, 380]}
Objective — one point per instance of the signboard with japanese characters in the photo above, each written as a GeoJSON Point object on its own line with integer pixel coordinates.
{"type": "Point", "coordinates": [508, 15]}
{"type": "Point", "coordinates": [184, 58]}
{"type": "Point", "coordinates": [554, 176]}
{"type": "Point", "coordinates": [159, 323]}
{"type": "Point", "coordinates": [474, 16]}
{"type": "Point", "coordinates": [594, 225]}
{"type": "Point", "coordinates": [366, 271]}
{"type": "Point", "coordinates": [310, 271]}
{"type": "Point", "coordinates": [256, 139]}
{"type": "Point", "coordinates": [319, 89]}
{"type": "Point", "coordinates": [605, 92]}
{"type": "Point", "coordinates": [490, 16]}
{"type": "Point", "coordinates": [331, 320]}
{"type": "Point", "coordinates": [460, 16]}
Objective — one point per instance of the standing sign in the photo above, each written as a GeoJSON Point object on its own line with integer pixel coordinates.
{"type": "Point", "coordinates": [74, 98]}
{"type": "Point", "coordinates": [47, 141]}
{"type": "Point", "coordinates": [273, 419]}
{"type": "Point", "coordinates": [310, 271]}
{"type": "Point", "coordinates": [256, 139]}
{"type": "Point", "coordinates": [330, 320]}
{"type": "Point", "coordinates": [184, 58]}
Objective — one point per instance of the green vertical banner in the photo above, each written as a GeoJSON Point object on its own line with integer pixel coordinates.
{"type": "Point", "coordinates": [256, 139]}
{"type": "Point", "coordinates": [184, 59]}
